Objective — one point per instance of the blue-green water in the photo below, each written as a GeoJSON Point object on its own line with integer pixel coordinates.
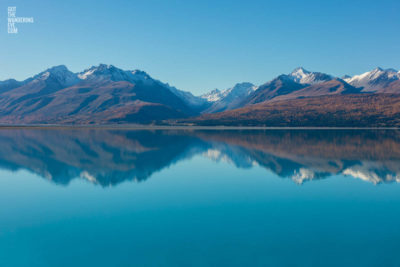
{"type": "Point", "coordinates": [83, 197]}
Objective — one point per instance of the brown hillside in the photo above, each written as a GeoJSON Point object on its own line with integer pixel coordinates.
{"type": "Point", "coordinates": [362, 110]}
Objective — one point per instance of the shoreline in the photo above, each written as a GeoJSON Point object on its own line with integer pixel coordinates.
{"type": "Point", "coordinates": [183, 127]}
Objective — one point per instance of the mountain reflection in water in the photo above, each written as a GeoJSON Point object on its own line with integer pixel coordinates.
{"type": "Point", "coordinates": [111, 156]}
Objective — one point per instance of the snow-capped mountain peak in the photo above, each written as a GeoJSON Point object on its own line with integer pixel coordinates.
{"type": "Point", "coordinates": [110, 72]}
{"type": "Point", "coordinates": [229, 98]}
{"type": "Point", "coordinates": [60, 73]}
{"type": "Point", "coordinates": [104, 71]}
{"type": "Point", "coordinates": [213, 95]}
{"type": "Point", "coordinates": [299, 73]}
{"type": "Point", "coordinates": [303, 76]}
{"type": "Point", "coordinates": [240, 89]}
{"type": "Point", "coordinates": [374, 80]}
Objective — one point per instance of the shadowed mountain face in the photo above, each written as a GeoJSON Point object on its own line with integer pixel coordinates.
{"type": "Point", "coordinates": [109, 157]}
{"type": "Point", "coordinates": [280, 86]}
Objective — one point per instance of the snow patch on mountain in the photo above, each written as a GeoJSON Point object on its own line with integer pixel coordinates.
{"type": "Point", "coordinates": [374, 80]}
{"type": "Point", "coordinates": [303, 76]}
{"type": "Point", "coordinates": [105, 72]}
{"type": "Point", "coordinates": [239, 90]}
{"type": "Point", "coordinates": [230, 98]}
{"type": "Point", "coordinates": [213, 95]}
{"type": "Point", "coordinates": [60, 74]}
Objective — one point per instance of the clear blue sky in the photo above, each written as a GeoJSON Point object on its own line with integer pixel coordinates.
{"type": "Point", "coordinates": [202, 45]}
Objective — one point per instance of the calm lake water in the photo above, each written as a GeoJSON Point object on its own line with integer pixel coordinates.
{"type": "Point", "coordinates": [86, 197]}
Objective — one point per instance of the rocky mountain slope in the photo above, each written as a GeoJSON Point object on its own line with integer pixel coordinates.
{"type": "Point", "coordinates": [101, 94]}
{"type": "Point", "coordinates": [105, 94]}
{"type": "Point", "coordinates": [301, 83]}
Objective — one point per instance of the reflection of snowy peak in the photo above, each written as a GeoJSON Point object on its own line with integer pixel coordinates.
{"type": "Point", "coordinates": [302, 156]}
{"type": "Point", "coordinates": [229, 154]}
{"type": "Point", "coordinates": [373, 172]}
{"type": "Point", "coordinates": [302, 175]}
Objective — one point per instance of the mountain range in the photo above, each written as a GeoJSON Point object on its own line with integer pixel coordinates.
{"type": "Point", "coordinates": [105, 94]}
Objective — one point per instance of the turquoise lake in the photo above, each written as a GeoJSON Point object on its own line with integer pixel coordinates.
{"type": "Point", "coordinates": [115, 197]}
